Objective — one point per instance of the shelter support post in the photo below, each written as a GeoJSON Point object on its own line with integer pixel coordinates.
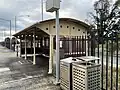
{"type": "Point", "coordinates": [25, 48]}
{"type": "Point", "coordinates": [51, 55]}
{"type": "Point", "coordinates": [87, 46]}
{"type": "Point", "coordinates": [20, 46]}
{"type": "Point", "coordinates": [34, 56]}
{"type": "Point", "coordinates": [31, 43]}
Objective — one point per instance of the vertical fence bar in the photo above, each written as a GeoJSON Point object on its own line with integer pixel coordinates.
{"type": "Point", "coordinates": [41, 42]}
{"type": "Point", "coordinates": [98, 54]}
{"type": "Point", "coordinates": [85, 45]}
{"type": "Point", "coordinates": [68, 46]}
{"type": "Point", "coordinates": [88, 45]}
{"type": "Point", "coordinates": [111, 86]}
{"type": "Point", "coordinates": [92, 46]}
{"type": "Point", "coordinates": [117, 62]}
{"type": "Point", "coordinates": [31, 43]}
{"type": "Point", "coordinates": [45, 42]}
{"type": "Point", "coordinates": [77, 47]}
{"type": "Point", "coordinates": [72, 45]}
{"type": "Point", "coordinates": [98, 46]}
{"type": "Point", "coordinates": [107, 63]}
{"type": "Point", "coordinates": [48, 42]}
{"type": "Point", "coordinates": [102, 63]}
{"type": "Point", "coordinates": [91, 52]}
{"type": "Point", "coordinates": [80, 45]}
{"type": "Point", "coordinates": [74, 53]}
{"type": "Point", "coordinates": [65, 46]}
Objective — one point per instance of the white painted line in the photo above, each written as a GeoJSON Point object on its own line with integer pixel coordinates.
{"type": "Point", "coordinates": [22, 79]}
{"type": "Point", "coordinates": [20, 62]}
{"type": "Point", "coordinates": [4, 69]}
{"type": "Point", "coordinates": [23, 55]}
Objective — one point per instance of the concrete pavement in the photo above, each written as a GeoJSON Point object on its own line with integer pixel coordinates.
{"type": "Point", "coordinates": [19, 74]}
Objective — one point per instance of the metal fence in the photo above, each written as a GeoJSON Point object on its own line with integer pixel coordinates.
{"type": "Point", "coordinates": [106, 48]}
{"type": "Point", "coordinates": [108, 51]}
{"type": "Point", "coordinates": [74, 46]}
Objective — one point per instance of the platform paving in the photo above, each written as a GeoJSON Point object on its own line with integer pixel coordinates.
{"type": "Point", "coordinates": [19, 74]}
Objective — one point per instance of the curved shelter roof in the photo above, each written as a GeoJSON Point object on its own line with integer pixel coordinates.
{"type": "Point", "coordinates": [30, 29]}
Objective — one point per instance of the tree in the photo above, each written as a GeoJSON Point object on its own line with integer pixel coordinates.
{"type": "Point", "coordinates": [106, 25]}
{"type": "Point", "coordinates": [106, 19]}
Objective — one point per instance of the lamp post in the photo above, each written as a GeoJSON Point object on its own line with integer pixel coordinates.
{"type": "Point", "coordinates": [57, 48]}
{"type": "Point", "coordinates": [42, 9]}
{"type": "Point", "coordinates": [10, 28]}
{"type": "Point", "coordinates": [16, 28]}
{"type": "Point", "coordinates": [54, 6]}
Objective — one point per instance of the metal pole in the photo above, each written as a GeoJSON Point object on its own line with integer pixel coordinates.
{"type": "Point", "coordinates": [57, 48]}
{"type": "Point", "coordinates": [10, 35]}
{"type": "Point", "coordinates": [15, 23]}
{"type": "Point", "coordinates": [42, 9]}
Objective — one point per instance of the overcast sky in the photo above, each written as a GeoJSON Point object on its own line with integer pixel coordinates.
{"type": "Point", "coordinates": [77, 9]}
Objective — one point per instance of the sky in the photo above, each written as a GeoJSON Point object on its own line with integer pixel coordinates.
{"type": "Point", "coordinates": [77, 9]}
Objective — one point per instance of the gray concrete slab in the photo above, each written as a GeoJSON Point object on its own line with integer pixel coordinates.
{"type": "Point", "coordinates": [19, 74]}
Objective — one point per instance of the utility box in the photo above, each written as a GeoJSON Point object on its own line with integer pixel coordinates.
{"type": "Point", "coordinates": [86, 74]}
{"type": "Point", "coordinates": [66, 73]}
{"type": "Point", "coordinates": [52, 5]}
